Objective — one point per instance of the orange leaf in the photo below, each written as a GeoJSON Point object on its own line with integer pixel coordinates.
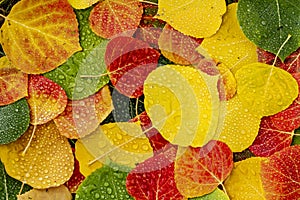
{"type": "Point", "coordinates": [45, 34]}
{"type": "Point", "coordinates": [112, 17]}
{"type": "Point", "coordinates": [46, 99]}
{"type": "Point", "coordinates": [82, 117]}
{"type": "Point", "coordinates": [13, 83]}
{"type": "Point", "coordinates": [199, 171]}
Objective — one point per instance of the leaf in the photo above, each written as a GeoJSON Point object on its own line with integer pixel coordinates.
{"type": "Point", "coordinates": [154, 178]}
{"type": "Point", "coordinates": [270, 139]}
{"type": "Point", "coordinates": [113, 17]}
{"type": "Point", "coordinates": [288, 119]}
{"type": "Point", "coordinates": [48, 161]}
{"type": "Point", "coordinates": [84, 73]}
{"type": "Point", "coordinates": [106, 183]}
{"type": "Point", "coordinates": [45, 35]}
{"type": "Point", "coordinates": [81, 117]}
{"type": "Point", "coordinates": [46, 99]}
{"type": "Point", "coordinates": [179, 48]}
{"type": "Point", "coordinates": [268, 24]}
{"type": "Point", "coordinates": [217, 194]}
{"type": "Point", "coordinates": [9, 187]}
{"type": "Point", "coordinates": [76, 179]}
{"type": "Point", "coordinates": [240, 127]}
{"type": "Point", "coordinates": [229, 45]}
{"type": "Point", "coordinates": [184, 15]}
{"type": "Point", "coordinates": [60, 192]}
{"type": "Point", "coordinates": [244, 182]}
{"type": "Point", "coordinates": [82, 4]}
{"type": "Point", "coordinates": [260, 91]}
{"type": "Point", "coordinates": [123, 143]}
{"type": "Point", "coordinates": [227, 83]}
{"type": "Point", "coordinates": [14, 121]}
{"type": "Point", "coordinates": [199, 171]}
{"type": "Point", "coordinates": [183, 104]}
{"type": "Point", "coordinates": [129, 61]}
{"type": "Point", "coordinates": [13, 83]}
{"type": "Point", "coordinates": [280, 174]}
{"type": "Point", "coordinates": [84, 157]}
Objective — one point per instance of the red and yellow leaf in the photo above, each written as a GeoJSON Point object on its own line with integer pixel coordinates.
{"type": "Point", "coordinates": [81, 117]}
{"type": "Point", "coordinates": [112, 17]}
{"type": "Point", "coordinates": [129, 61]}
{"type": "Point", "coordinates": [45, 34]}
{"type": "Point", "coordinates": [280, 174]}
{"type": "Point", "coordinates": [270, 139]}
{"type": "Point", "coordinates": [199, 171]}
{"type": "Point", "coordinates": [46, 99]}
{"type": "Point", "coordinates": [13, 83]}
{"type": "Point", "coordinates": [154, 178]}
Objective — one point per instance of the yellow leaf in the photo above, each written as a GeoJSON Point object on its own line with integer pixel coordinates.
{"type": "Point", "coordinates": [84, 157]}
{"type": "Point", "coordinates": [229, 45]}
{"type": "Point", "coordinates": [228, 86]}
{"type": "Point", "coordinates": [56, 193]}
{"type": "Point", "coordinates": [48, 161]}
{"type": "Point", "coordinates": [45, 34]}
{"type": "Point", "coordinates": [197, 18]}
{"type": "Point", "coordinates": [264, 89]}
{"type": "Point", "coordinates": [82, 4]}
{"type": "Point", "coordinates": [183, 104]}
{"type": "Point", "coordinates": [244, 182]}
{"type": "Point", "coordinates": [240, 127]}
{"type": "Point", "coordinates": [123, 143]}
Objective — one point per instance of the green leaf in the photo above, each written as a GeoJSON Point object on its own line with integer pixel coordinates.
{"type": "Point", "coordinates": [216, 194]}
{"type": "Point", "coordinates": [14, 121]}
{"type": "Point", "coordinates": [296, 138]}
{"type": "Point", "coordinates": [104, 183]}
{"type": "Point", "coordinates": [82, 74]}
{"type": "Point", "coordinates": [268, 23]}
{"type": "Point", "coordinates": [10, 187]}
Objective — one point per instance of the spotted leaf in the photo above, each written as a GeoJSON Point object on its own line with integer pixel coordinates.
{"type": "Point", "coordinates": [46, 99]}
{"type": "Point", "coordinates": [199, 171]}
{"type": "Point", "coordinates": [60, 192]}
{"type": "Point", "coordinates": [82, 4]}
{"type": "Point", "coordinates": [48, 161]}
{"type": "Point", "coordinates": [216, 194]}
{"type": "Point", "coordinates": [45, 35]}
{"type": "Point", "coordinates": [13, 82]}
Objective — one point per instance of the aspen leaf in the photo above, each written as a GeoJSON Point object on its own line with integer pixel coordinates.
{"type": "Point", "coordinates": [45, 35]}
{"type": "Point", "coordinates": [61, 193]}
{"type": "Point", "coordinates": [229, 45]}
{"type": "Point", "coordinates": [264, 89]}
{"type": "Point", "coordinates": [112, 17]}
{"type": "Point", "coordinates": [227, 83]}
{"type": "Point", "coordinates": [183, 104]}
{"type": "Point", "coordinates": [81, 117]}
{"type": "Point", "coordinates": [184, 15]}
{"type": "Point", "coordinates": [244, 182]}
{"type": "Point", "coordinates": [13, 83]}
{"type": "Point", "coordinates": [46, 99]}
{"type": "Point", "coordinates": [48, 161]}
{"type": "Point", "coordinates": [123, 143]}
{"type": "Point", "coordinates": [240, 127]}
{"type": "Point", "coordinates": [82, 4]}
{"type": "Point", "coordinates": [199, 171]}
{"type": "Point", "coordinates": [280, 174]}
{"type": "Point", "coordinates": [217, 194]}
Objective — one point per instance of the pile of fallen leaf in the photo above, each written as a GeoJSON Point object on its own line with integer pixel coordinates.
{"type": "Point", "coordinates": [146, 100]}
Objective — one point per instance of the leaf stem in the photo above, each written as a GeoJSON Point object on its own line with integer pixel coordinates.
{"type": "Point", "coordinates": [3, 16]}
{"type": "Point", "coordinates": [148, 2]}
{"type": "Point", "coordinates": [30, 140]}
{"type": "Point", "coordinates": [284, 43]}
{"type": "Point", "coordinates": [21, 189]}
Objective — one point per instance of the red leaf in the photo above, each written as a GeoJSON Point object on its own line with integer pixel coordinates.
{"type": "Point", "coordinates": [270, 139]}
{"type": "Point", "coordinates": [154, 178]}
{"type": "Point", "coordinates": [111, 17]}
{"type": "Point", "coordinates": [280, 174]}
{"type": "Point", "coordinates": [76, 178]}
{"type": "Point", "coordinates": [129, 61]}
{"type": "Point", "coordinates": [179, 48]}
{"type": "Point", "coordinates": [199, 171]}
{"type": "Point", "coordinates": [291, 63]}
{"type": "Point", "coordinates": [46, 99]}
{"type": "Point", "coordinates": [289, 119]}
